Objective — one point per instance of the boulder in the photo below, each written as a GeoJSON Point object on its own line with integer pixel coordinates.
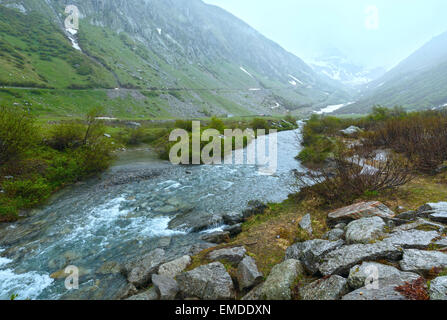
{"type": "Point", "coordinates": [423, 261]}
{"type": "Point", "coordinates": [340, 261]}
{"type": "Point", "coordinates": [232, 255]}
{"type": "Point", "coordinates": [438, 289]}
{"type": "Point", "coordinates": [166, 287]}
{"type": "Point", "coordinates": [332, 288]}
{"type": "Point", "coordinates": [216, 237]}
{"type": "Point", "coordinates": [306, 224]}
{"type": "Point", "coordinates": [372, 273]}
{"type": "Point", "coordinates": [409, 215]}
{"type": "Point", "coordinates": [311, 252]}
{"type": "Point", "coordinates": [254, 294]}
{"type": "Point", "coordinates": [232, 218]}
{"type": "Point", "coordinates": [139, 272]}
{"type": "Point", "coordinates": [150, 294]}
{"type": "Point", "coordinates": [248, 274]}
{"type": "Point", "coordinates": [279, 282]}
{"type": "Point", "coordinates": [334, 235]}
{"type": "Point", "coordinates": [255, 207]}
{"type": "Point", "coordinates": [412, 239]}
{"type": "Point", "coordinates": [234, 230]}
{"type": "Point", "coordinates": [365, 230]}
{"type": "Point", "coordinates": [360, 210]}
{"type": "Point", "coordinates": [434, 211]}
{"type": "Point", "coordinates": [386, 291]}
{"type": "Point", "coordinates": [208, 282]}
{"type": "Point", "coordinates": [175, 267]}
{"type": "Point", "coordinates": [195, 221]}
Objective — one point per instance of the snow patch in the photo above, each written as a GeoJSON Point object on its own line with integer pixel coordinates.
{"type": "Point", "coordinates": [242, 68]}
{"type": "Point", "coordinates": [333, 108]}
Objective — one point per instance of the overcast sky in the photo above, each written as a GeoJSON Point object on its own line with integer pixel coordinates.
{"type": "Point", "coordinates": [369, 32]}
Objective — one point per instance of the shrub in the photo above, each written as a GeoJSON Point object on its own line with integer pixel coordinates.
{"type": "Point", "coordinates": [17, 132]}
{"type": "Point", "coordinates": [259, 123]}
{"type": "Point", "coordinates": [66, 136]}
{"type": "Point", "coordinates": [183, 124]}
{"type": "Point", "coordinates": [27, 193]}
{"type": "Point", "coordinates": [352, 176]}
{"type": "Point", "coordinates": [217, 124]}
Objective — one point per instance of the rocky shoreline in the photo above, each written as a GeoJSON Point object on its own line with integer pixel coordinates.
{"type": "Point", "coordinates": [369, 254]}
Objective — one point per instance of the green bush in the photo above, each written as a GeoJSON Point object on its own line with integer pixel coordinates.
{"type": "Point", "coordinates": [17, 132]}
{"type": "Point", "coordinates": [183, 124]}
{"type": "Point", "coordinates": [217, 124]}
{"type": "Point", "coordinates": [27, 193]}
{"type": "Point", "coordinates": [259, 123]}
{"type": "Point", "coordinates": [66, 136]}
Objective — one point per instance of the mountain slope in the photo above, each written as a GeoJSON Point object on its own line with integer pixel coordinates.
{"type": "Point", "coordinates": [418, 82]}
{"type": "Point", "coordinates": [174, 57]}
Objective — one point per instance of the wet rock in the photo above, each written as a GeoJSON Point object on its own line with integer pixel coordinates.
{"type": "Point", "coordinates": [254, 294]}
{"type": "Point", "coordinates": [279, 282]}
{"type": "Point", "coordinates": [175, 267]}
{"type": "Point", "coordinates": [332, 288]}
{"type": "Point", "coordinates": [413, 239]}
{"type": "Point", "coordinates": [311, 252]}
{"type": "Point", "coordinates": [364, 230]}
{"type": "Point", "coordinates": [306, 224]}
{"type": "Point", "coordinates": [140, 271]}
{"type": "Point", "coordinates": [164, 242]}
{"type": "Point", "coordinates": [232, 255]}
{"type": "Point", "coordinates": [421, 224]}
{"type": "Point", "coordinates": [334, 235]}
{"type": "Point", "coordinates": [216, 237]}
{"type": "Point", "coordinates": [148, 295]}
{"type": "Point", "coordinates": [386, 291]}
{"type": "Point", "coordinates": [423, 261]}
{"type": "Point", "coordinates": [62, 274]}
{"type": "Point", "coordinates": [199, 247]}
{"type": "Point", "coordinates": [372, 273]}
{"type": "Point", "coordinates": [438, 289]}
{"type": "Point", "coordinates": [360, 210]}
{"type": "Point", "coordinates": [234, 230]}
{"type": "Point", "coordinates": [195, 221]}
{"type": "Point", "coordinates": [166, 287]}
{"type": "Point", "coordinates": [166, 209]}
{"type": "Point", "coordinates": [340, 261]}
{"type": "Point", "coordinates": [254, 208]}
{"type": "Point", "coordinates": [232, 218]}
{"type": "Point", "coordinates": [208, 282]}
{"type": "Point", "coordinates": [111, 267]}
{"type": "Point", "coordinates": [248, 274]}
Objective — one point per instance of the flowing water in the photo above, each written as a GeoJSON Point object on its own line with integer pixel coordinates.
{"type": "Point", "coordinates": [123, 215]}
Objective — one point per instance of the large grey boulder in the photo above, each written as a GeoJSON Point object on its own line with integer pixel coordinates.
{"type": "Point", "coordinates": [332, 288]}
{"type": "Point", "coordinates": [306, 224]}
{"type": "Point", "coordinates": [254, 294]}
{"type": "Point", "coordinates": [248, 274]}
{"type": "Point", "coordinates": [150, 294]}
{"type": "Point", "coordinates": [365, 230]}
{"type": "Point", "coordinates": [412, 239]}
{"type": "Point", "coordinates": [360, 210]}
{"type": "Point", "coordinates": [199, 247]}
{"type": "Point", "coordinates": [311, 252]}
{"type": "Point", "coordinates": [334, 234]}
{"type": "Point", "coordinates": [386, 291]}
{"type": "Point", "coordinates": [195, 221]}
{"type": "Point", "coordinates": [139, 272]}
{"type": "Point", "coordinates": [435, 211]}
{"type": "Point", "coordinates": [438, 289]}
{"type": "Point", "coordinates": [279, 282]}
{"type": "Point", "coordinates": [422, 261]}
{"type": "Point", "coordinates": [340, 261]}
{"type": "Point", "coordinates": [232, 255]}
{"type": "Point", "coordinates": [208, 282]}
{"type": "Point", "coordinates": [166, 287]}
{"type": "Point", "coordinates": [372, 273]}
{"type": "Point", "coordinates": [173, 268]}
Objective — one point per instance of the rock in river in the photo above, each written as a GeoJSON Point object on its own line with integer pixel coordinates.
{"type": "Point", "coordinates": [195, 221]}
{"type": "Point", "coordinates": [139, 272]}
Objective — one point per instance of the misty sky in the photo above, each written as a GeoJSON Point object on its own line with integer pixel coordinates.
{"type": "Point", "coordinates": [310, 27]}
